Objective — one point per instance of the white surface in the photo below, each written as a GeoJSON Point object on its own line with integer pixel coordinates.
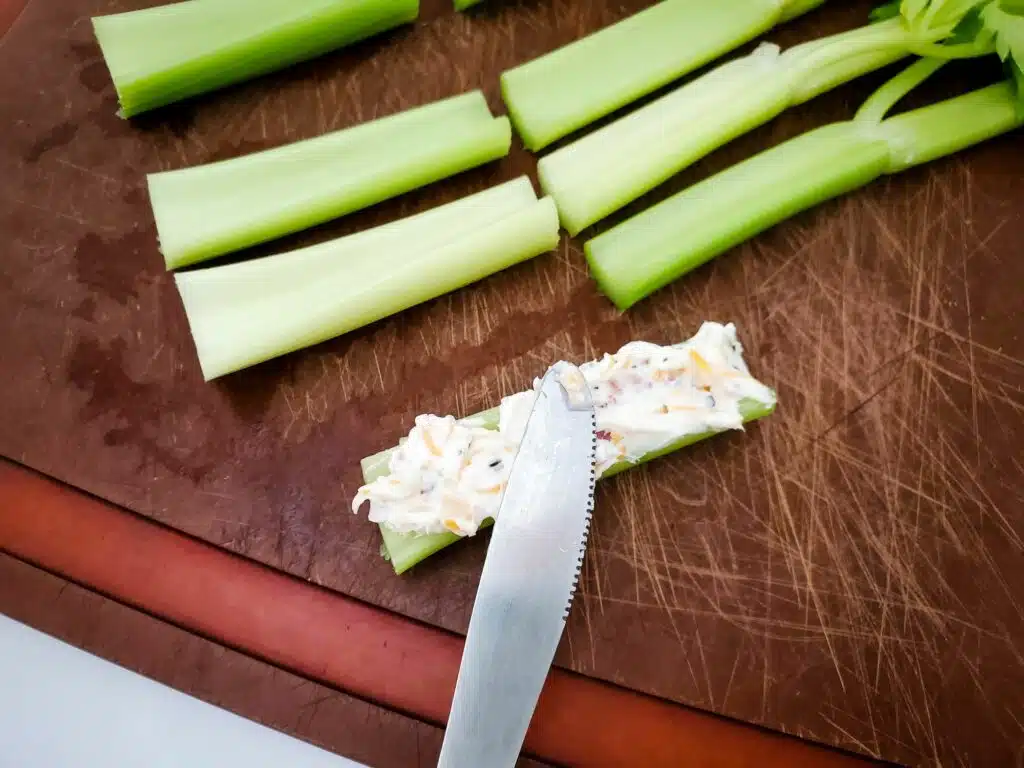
{"type": "Point", "coordinates": [61, 707]}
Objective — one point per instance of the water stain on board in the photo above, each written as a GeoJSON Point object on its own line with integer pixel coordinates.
{"type": "Point", "coordinates": [138, 407]}
{"type": "Point", "coordinates": [111, 267]}
{"type": "Point", "coordinates": [95, 77]}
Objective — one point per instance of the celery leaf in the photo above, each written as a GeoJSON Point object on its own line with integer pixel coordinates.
{"type": "Point", "coordinates": [1004, 20]}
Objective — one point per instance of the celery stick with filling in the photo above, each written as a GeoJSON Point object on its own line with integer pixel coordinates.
{"type": "Point", "coordinates": [209, 210]}
{"type": "Point", "coordinates": [445, 480]}
{"type": "Point", "coordinates": [562, 91]}
{"type": "Point", "coordinates": [242, 314]}
{"type": "Point", "coordinates": [163, 54]}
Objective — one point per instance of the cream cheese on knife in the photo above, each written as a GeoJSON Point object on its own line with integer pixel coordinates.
{"type": "Point", "coordinates": [449, 475]}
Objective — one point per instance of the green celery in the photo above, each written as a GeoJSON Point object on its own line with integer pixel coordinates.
{"type": "Point", "coordinates": [603, 171]}
{"type": "Point", "coordinates": [652, 249]}
{"type": "Point", "coordinates": [406, 550]}
{"type": "Point", "coordinates": [562, 91]}
{"type": "Point", "coordinates": [209, 210]}
{"type": "Point", "coordinates": [461, 5]}
{"type": "Point", "coordinates": [160, 55]}
{"type": "Point", "coordinates": [242, 314]}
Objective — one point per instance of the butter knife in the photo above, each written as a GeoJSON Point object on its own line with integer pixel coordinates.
{"type": "Point", "coordinates": [529, 578]}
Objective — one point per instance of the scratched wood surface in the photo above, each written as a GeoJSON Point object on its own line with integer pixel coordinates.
{"type": "Point", "coordinates": [849, 571]}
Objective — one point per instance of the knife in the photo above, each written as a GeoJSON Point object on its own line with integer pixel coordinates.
{"type": "Point", "coordinates": [529, 577]}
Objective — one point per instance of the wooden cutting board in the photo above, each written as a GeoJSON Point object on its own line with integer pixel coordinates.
{"type": "Point", "coordinates": [849, 570]}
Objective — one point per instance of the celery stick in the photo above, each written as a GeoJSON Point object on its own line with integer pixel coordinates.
{"type": "Point", "coordinates": [242, 314]}
{"type": "Point", "coordinates": [406, 550]}
{"type": "Point", "coordinates": [556, 94]}
{"type": "Point", "coordinates": [212, 209]}
{"type": "Point", "coordinates": [603, 171]}
{"type": "Point", "coordinates": [461, 5]}
{"type": "Point", "coordinates": [652, 249]}
{"type": "Point", "coordinates": [171, 52]}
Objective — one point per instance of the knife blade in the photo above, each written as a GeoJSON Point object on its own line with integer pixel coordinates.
{"type": "Point", "coordinates": [529, 577]}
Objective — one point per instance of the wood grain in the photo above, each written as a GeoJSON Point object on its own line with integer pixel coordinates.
{"type": "Point", "coordinates": [847, 571]}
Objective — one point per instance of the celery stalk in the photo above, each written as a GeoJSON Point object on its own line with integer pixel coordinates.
{"type": "Point", "coordinates": [213, 209]}
{"type": "Point", "coordinates": [556, 94]}
{"type": "Point", "coordinates": [603, 171]}
{"type": "Point", "coordinates": [242, 314]}
{"type": "Point", "coordinates": [160, 55]}
{"type": "Point", "coordinates": [652, 249]}
{"type": "Point", "coordinates": [461, 5]}
{"type": "Point", "coordinates": [406, 550]}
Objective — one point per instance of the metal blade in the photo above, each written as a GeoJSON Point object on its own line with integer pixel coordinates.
{"type": "Point", "coordinates": [529, 578]}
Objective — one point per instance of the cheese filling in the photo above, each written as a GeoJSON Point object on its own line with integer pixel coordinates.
{"type": "Point", "coordinates": [450, 475]}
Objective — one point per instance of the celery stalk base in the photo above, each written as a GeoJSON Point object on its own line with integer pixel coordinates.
{"type": "Point", "coordinates": [650, 250]}
{"type": "Point", "coordinates": [605, 170]}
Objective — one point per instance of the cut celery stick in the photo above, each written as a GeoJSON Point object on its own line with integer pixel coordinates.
{"type": "Point", "coordinates": [556, 94]}
{"type": "Point", "coordinates": [213, 209]}
{"type": "Point", "coordinates": [406, 550]}
{"type": "Point", "coordinates": [652, 249]}
{"type": "Point", "coordinates": [160, 55]}
{"type": "Point", "coordinates": [603, 171]}
{"type": "Point", "coordinates": [461, 5]}
{"type": "Point", "coordinates": [242, 314]}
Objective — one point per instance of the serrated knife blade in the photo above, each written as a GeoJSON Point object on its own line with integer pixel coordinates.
{"type": "Point", "coordinates": [529, 578]}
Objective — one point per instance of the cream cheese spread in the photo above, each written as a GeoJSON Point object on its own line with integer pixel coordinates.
{"type": "Point", "coordinates": [450, 475]}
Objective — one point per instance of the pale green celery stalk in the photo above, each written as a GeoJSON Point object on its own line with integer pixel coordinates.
{"type": "Point", "coordinates": [652, 249]}
{"type": "Point", "coordinates": [160, 55]}
{"type": "Point", "coordinates": [461, 5]}
{"type": "Point", "coordinates": [603, 171]}
{"type": "Point", "coordinates": [209, 210]}
{"type": "Point", "coordinates": [405, 550]}
{"type": "Point", "coordinates": [242, 314]}
{"type": "Point", "coordinates": [560, 92]}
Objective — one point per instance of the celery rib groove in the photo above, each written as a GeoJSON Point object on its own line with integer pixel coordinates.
{"type": "Point", "coordinates": [242, 314]}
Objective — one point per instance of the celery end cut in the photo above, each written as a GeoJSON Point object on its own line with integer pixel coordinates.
{"type": "Point", "coordinates": [405, 550]}
{"type": "Point", "coordinates": [245, 313]}
{"type": "Point", "coordinates": [160, 55]}
{"type": "Point", "coordinates": [214, 209]}
{"type": "Point", "coordinates": [571, 87]}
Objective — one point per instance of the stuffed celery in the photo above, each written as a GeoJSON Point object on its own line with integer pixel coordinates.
{"type": "Point", "coordinates": [242, 314]}
{"type": "Point", "coordinates": [556, 94]}
{"type": "Point", "coordinates": [160, 55]}
{"type": "Point", "coordinates": [654, 248]}
{"type": "Point", "coordinates": [600, 173]}
{"type": "Point", "coordinates": [213, 209]}
{"type": "Point", "coordinates": [445, 480]}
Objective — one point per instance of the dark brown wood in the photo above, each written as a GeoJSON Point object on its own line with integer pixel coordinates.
{"type": "Point", "coordinates": [362, 650]}
{"type": "Point", "coordinates": [218, 675]}
{"type": "Point", "coordinates": [847, 571]}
